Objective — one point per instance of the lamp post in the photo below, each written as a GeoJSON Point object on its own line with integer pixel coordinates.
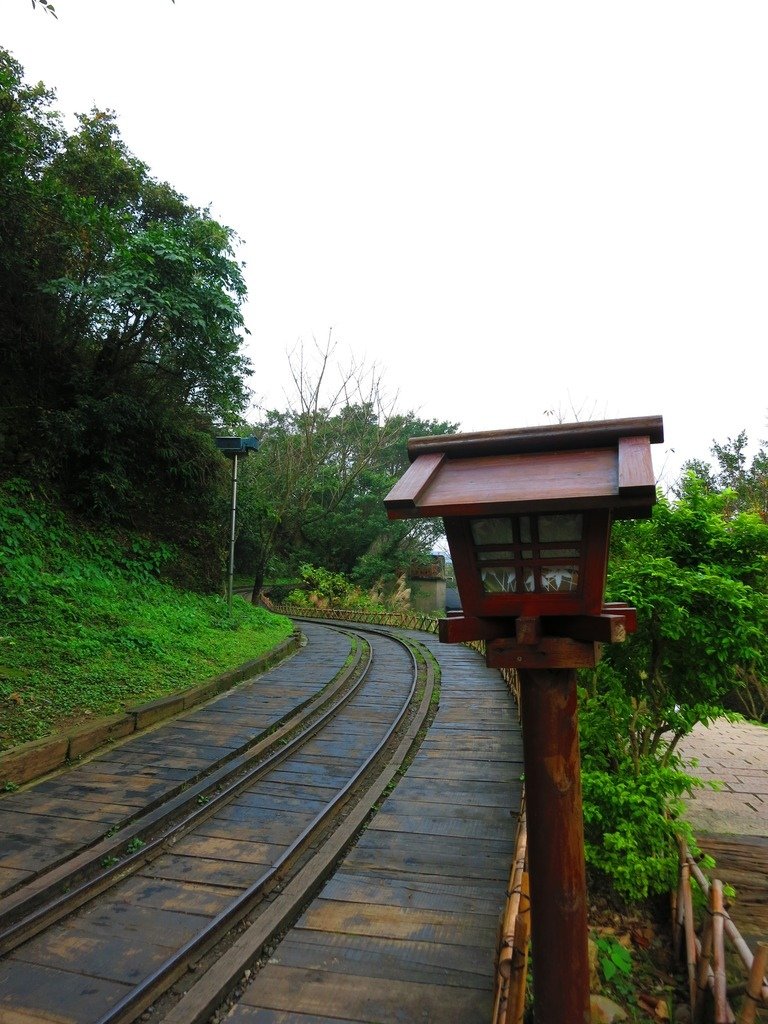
{"type": "Point", "coordinates": [527, 516]}
{"type": "Point", "coordinates": [233, 448]}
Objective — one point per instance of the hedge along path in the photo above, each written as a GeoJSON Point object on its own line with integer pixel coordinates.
{"type": "Point", "coordinates": [49, 821]}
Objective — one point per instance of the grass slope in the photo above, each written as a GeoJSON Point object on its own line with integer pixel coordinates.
{"type": "Point", "coordinates": [86, 625]}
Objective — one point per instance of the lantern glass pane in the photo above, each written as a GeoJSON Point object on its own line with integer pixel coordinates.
{"type": "Point", "coordinates": [499, 580]}
{"type": "Point", "coordinates": [560, 527]}
{"type": "Point", "coordinates": [495, 556]}
{"type": "Point", "coordinates": [492, 531]}
{"type": "Point", "coordinates": [562, 552]}
{"type": "Point", "coordinates": [559, 578]}
{"type": "Point", "coordinates": [525, 529]}
{"type": "Point", "coordinates": [526, 553]}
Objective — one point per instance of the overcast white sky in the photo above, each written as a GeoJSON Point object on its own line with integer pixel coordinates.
{"type": "Point", "coordinates": [509, 207]}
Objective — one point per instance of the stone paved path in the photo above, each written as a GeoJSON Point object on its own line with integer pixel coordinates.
{"type": "Point", "coordinates": [731, 824]}
{"type": "Point", "coordinates": [736, 754]}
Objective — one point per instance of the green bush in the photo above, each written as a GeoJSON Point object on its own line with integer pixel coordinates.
{"type": "Point", "coordinates": [324, 589]}
{"type": "Point", "coordinates": [632, 801]}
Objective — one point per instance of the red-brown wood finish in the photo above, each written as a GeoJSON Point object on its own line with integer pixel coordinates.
{"type": "Point", "coordinates": [587, 600]}
{"type": "Point", "coordinates": [635, 466]}
{"type": "Point", "coordinates": [547, 438]}
{"type": "Point", "coordinates": [572, 466]}
{"type": "Point", "coordinates": [555, 846]}
{"type": "Point", "coordinates": [555, 652]}
{"type": "Point", "coordinates": [406, 491]}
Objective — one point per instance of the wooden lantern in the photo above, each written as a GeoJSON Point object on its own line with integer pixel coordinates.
{"type": "Point", "coordinates": [528, 516]}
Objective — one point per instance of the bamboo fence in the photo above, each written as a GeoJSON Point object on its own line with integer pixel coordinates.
{"type": "Point", "coordinates": [705, 955]}
{"type": "Point", "coordinates": [512, 959]}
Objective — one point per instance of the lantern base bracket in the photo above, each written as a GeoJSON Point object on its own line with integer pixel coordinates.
{"type": "Point", "coordinates": [609, 627]}
{"type": "Point", "coordinates": [548, 652]}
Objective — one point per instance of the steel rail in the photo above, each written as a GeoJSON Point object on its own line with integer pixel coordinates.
{"type": "Point", "coordinates": [43, 913]}
{"type": "Point", "coordinates": [151, 987]}
{"type": "Point", "coordinates": [200, 1002]}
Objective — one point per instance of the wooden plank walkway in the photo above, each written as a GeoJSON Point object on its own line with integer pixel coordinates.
{"type": "Point", "coordinates": [406, 929]}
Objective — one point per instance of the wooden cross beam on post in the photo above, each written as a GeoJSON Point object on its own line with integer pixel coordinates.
{"type": "Point", "coordinates": [527, 516]}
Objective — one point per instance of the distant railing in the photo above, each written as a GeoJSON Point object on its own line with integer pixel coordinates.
{"type": "Point", "coordinates": [705, 956]}
{"type": "Point", "coordinates": [402, 620]}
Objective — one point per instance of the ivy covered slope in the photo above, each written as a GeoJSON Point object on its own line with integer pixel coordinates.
{"type": "Point", "coordinates": [87, 626]}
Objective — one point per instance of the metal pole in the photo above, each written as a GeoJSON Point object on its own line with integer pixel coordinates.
{"type": "Point", "coordinates": [555, 846]}
{"type": "Point", "coordinates": [232, 532]}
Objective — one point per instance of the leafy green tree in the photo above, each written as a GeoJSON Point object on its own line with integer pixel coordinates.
{"type": "Point", "coordinates": [747, 480]}
{"type": "Point", "coordinates": [314, 493]}
{"type": "Point", "coordinates": [120, 325]}
{"type": "Point", "coordinates": [697, 573]}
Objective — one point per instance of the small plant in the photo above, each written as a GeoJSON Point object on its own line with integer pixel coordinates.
{"type": "Point", "coordinates": [614, 959]}
{"type": "Point", "coordinates": [10, 787]}
{"type": "Point", "coordinates": [203, 799]}
{"type": "Point", "coordinates": [109, 862]}
{"type": "Point", "coordinates": [135, 845]}
{"type": "Point", "coordinates": [616, 966]}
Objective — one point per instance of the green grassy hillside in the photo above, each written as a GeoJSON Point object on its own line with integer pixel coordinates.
{"type": "Point", "coordinates": [87, 625]}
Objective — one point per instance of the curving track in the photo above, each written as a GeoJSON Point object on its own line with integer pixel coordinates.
{"type": "Point", "coordinates": [224, 851]}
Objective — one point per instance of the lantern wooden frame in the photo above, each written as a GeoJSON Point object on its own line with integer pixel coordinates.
{"type": "Point", "coordinates": [599, 470]}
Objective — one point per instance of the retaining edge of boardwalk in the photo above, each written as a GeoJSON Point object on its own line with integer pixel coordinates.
{"type": "Point", "coordinates": [30, 761]}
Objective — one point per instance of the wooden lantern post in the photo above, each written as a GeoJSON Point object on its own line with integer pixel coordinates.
{"type": "Point", "coordinates": [528, 515]}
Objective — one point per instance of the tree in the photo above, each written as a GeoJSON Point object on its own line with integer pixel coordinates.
{"type": "Point", "coordinates": [697, 573]}
{"type": "Point", "coordinates": [120, 323]}
{"type": "Point", "coordinates": [747, 481]}
{"type": "Point", "coordinates": [314, 494]}
{"type": "Point", "coordinates": [46, 5]}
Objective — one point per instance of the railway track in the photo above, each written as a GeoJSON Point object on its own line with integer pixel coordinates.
{"type": "Point", "coordinates": [96, 801]}
{"type": "Point", "coordinates": [207, 876]}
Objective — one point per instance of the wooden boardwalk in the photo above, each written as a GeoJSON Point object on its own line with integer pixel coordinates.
{"type": "Point", "coordinates": [406, 929]}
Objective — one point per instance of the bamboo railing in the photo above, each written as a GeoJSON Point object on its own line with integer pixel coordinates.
{"type": "Point", "coordinates": [512, 959]}
{"type": "Point", "coordinates": [400, 620]}
{"type": "Point", "coordinates": [705, 955]}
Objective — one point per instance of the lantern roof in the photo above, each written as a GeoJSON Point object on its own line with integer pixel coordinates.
{"type": "Point", "coordinates": [593, 464]}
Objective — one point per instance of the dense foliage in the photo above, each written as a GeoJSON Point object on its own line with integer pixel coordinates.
{"type": "Point", "coordinates": [745, 480]}
{"type": "Point", "coordinates": [86, 626]}
{"type": "Point", "coordinates": [697, 572]}
{"type": "Point", "coordinates": [320, 588]}
{"type": "Point", "coordinates": [120, 326]}
{"type": "Point", "coordinates": [314, 495]}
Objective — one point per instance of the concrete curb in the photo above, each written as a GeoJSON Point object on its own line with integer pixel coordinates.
{"type": "Point", "coordinates": [31, 760]}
